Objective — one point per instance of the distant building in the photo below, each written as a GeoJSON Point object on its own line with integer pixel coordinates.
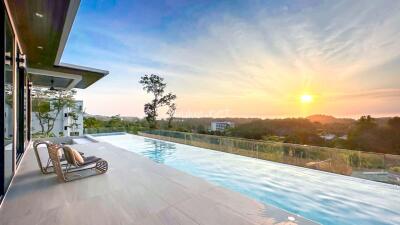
{"type": "Point", "coordinates": [221, 126]}
{"type": "Point", "coordinates": [328, 137]}
{"type": "Point", "coordinates": [69, 121]}
{"type": "Point", "coordinates": [344, 137]}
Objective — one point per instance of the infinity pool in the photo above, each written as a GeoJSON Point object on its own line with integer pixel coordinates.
{"type": "Point", "coordinates": [323, 197]}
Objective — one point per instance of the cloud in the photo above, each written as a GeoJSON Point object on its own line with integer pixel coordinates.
{"type": "Point", "coordinates": [269, 57]}
{"type": "Point", "coordinates": [372, 94]}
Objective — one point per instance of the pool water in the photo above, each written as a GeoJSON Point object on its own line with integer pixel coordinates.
{"type": "Point", "coordinates": [320, 196]}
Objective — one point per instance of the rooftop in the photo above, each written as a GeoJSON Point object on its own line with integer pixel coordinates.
{"type": "Point", "coordinates": [135, 190]}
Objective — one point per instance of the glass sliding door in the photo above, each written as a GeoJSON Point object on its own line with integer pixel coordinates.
{"type": "Point", "coordinates": [16, 105]}
{"type": "Point", "coordinates": [26, 110]}
{"type": "Point", "coordinates": [9, 85]}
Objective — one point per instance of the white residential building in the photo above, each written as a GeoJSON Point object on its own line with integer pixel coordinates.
{"type": "Point", "coordinates": [69, 121]}
{"type": "Point", "coordinates": [221, 126]}
{"type": "Point", "coordinates": [328, 137]}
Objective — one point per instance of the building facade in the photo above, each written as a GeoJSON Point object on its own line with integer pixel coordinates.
{"type": "Point", "coordinates": [221, 126]}
{"type": "Point", "coordinates": [32, 40]}
{"type": "Point", "coordinates": [68, 122]}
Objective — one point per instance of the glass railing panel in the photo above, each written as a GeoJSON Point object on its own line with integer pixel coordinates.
{"type": "Point", "coordinates": [368, 165]}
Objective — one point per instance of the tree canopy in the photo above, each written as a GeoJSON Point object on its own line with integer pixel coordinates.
{"type": "Point", "coordinates": [155, 85]}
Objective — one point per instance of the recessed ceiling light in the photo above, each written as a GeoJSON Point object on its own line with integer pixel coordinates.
{"type": "Point", "coordinates": [40, 47]}
{"type": "Point", "coordinates": [39, 15]}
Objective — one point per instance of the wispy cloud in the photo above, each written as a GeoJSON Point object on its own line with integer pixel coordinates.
{"type": "Point", "coordinates": [378, 93]}
{"type": "Point", "coordinates": [226, 61]}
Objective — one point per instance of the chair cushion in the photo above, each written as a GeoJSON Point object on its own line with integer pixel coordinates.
{"type": "Point", "coordinates": [59, 153]}
{"type": "Point", "coordinates": [77, 156]}
{"type": "Point", "coordinates": [90, 160]}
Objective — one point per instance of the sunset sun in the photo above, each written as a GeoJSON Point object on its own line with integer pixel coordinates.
{"type": "Point", "coordinates": [306, 98]}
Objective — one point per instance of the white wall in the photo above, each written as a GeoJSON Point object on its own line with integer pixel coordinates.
{"type": "Point", "coordinates": [63, 125]}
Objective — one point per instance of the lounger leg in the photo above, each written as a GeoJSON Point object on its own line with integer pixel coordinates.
{"type": "Point", "coordinates": [101, 166]}
{"type": "Point", "coordinates": [47, 165]}
{"type": "Point", "coordinates": [67, 167]}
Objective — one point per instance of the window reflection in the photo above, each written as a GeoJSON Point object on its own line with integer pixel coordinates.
{"type": "Point", "coordinates": [8, 106]}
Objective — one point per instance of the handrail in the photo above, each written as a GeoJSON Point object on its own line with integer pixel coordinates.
{"type": "Point", "coordinates": [336, 160]}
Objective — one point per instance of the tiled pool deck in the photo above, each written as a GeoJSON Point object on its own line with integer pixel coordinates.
{"type": "Point", "coordinates": [135, 191]}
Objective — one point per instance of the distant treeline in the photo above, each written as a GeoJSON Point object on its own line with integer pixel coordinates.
{"type": "Point", "coordinates": [366, 133]}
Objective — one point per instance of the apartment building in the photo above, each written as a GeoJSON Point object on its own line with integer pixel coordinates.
{"type": "Point", "coordinates": [68, 122]}
{"type": "Point", "coordinates": [221, 125]}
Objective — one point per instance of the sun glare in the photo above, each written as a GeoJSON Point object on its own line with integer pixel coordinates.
{"type": "Point", "coordinates": [306, 98]}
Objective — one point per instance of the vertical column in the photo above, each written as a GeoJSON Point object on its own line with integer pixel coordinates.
{"type": "Point", "coordinates": [21, 104]}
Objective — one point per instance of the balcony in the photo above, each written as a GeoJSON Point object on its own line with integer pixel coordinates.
{"type": "Point", "coordinates": [135, 190]}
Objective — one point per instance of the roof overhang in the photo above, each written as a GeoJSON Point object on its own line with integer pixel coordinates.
{"type": "Point", "coordinates": [42, 29]}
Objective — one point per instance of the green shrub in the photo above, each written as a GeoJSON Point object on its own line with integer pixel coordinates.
{"type": "Point", "coordinates": [395, 169]}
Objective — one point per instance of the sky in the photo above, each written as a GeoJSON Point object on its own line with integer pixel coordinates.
{"type": "Point", "coordinates": [242, 58]}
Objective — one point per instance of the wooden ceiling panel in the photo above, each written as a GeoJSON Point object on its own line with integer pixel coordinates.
{"type": "Point", "coordinates": [39, 25]}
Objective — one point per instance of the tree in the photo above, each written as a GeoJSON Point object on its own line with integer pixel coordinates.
{"type": "Point", "coordinates": [365, 135]}
{"type": "Point", "coordinates": [366, 123]}
{"type": "Point", "coordinates": [47, 105]}
{"type": "Point", "coordinates": [91, 122]}
{"type": "Point", "coordinates": [171, 114]}
{"type": "Point", "coordinates": [394, 123]}
{"type": "Point", "coordinates": [115, 121]}
{"type": "Point", "coordinates": [155, 84]}
{"type": "Point", "coordinates": [394, 136]}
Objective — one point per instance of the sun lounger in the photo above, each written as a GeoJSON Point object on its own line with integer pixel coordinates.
{"type": "Point", "coordinates": [48, 168]}
{"type": "Point", "coordinates": [90, 166]}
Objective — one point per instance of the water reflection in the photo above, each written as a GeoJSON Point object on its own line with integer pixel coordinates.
{"type": "Point", "coordinates": [158, 151]}
{"type": "Point", "coordinates": [323, 197]}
